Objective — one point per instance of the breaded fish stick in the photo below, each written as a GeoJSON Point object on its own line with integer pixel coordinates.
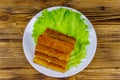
{"type": "Point", "coordinates": [55, 43]}
{"type": "Point", "coordinates": [50, 59]}
{"type": "Point", "coordinates": [59, 36]}
{"type": "Point", "coordinates": [49, 65]}
{"type": "Point", "coordinates": [52, 52]}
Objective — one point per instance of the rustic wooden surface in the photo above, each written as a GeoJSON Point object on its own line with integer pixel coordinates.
{"type": "Point", "coordinates": [104, 15]}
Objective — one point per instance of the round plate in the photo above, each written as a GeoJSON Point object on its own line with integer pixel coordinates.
{"type": "Point", "coordinates": [29, 47]}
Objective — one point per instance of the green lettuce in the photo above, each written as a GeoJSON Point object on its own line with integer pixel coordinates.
{"type": "Point", "coordinates": [67, 22]}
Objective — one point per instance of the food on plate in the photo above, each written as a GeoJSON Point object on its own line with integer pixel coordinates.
{"type": "Point", "coordinates": [68, 22]}
{"type": "Point", "coordinates": [53, 50]}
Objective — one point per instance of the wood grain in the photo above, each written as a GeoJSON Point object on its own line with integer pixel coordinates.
{"type": "Point", "coordinates": [104, 15]}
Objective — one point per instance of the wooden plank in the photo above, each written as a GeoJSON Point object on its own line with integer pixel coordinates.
{"type": "Point", "coordinates": [17, 20]}
{"type": "Point", "coordinates": [11, 33]}
{"type": "Point", "coordinates": [84, 75]}
{"type": "Point", "coordinates": [11, 49]}
{"type": "Point", "coordinates": [21, 20]}
{"type": "Point", "coordinates": [99, 73]}
{"type": "Point", "coordinates": [104, 32]}
{"type": "Point", "coordinates": [29, 6]}
{"type": "Point", "coordinates": [104, 63]}
{"type": "Point", "coordinates": [98, 14]}
{"type": "Point", "coordinates": [14, 63]}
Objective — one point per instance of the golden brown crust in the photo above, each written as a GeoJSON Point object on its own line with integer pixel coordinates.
{"type": "Point", "coordinates": [55, 43]}
{"type": "Point", "coordinates": [60, 36]}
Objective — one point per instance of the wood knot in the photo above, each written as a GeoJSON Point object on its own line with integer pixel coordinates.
{"type": "Point", "coordinates": [102, 8]}
{"type": "Point", "coordinates": [4, 17]}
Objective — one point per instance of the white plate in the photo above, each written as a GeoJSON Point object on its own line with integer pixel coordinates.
{"type": "Point", "coordinates": [29, 47]}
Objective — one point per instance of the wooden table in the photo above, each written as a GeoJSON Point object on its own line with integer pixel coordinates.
{"type": "Point", "coordinates": [104, 15]}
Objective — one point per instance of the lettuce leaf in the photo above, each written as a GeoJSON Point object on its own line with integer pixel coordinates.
{"type": "Point", "coordinates": [68, 22]}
